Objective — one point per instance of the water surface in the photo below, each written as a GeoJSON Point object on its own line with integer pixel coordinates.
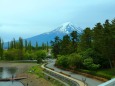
{"type": "Point", "coordinates": [9, 72]}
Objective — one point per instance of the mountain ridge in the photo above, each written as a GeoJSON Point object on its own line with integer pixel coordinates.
{"type": "Point", "coordinates": [60, 31]}
{"type": "Point", "coordinates": [63, 29]}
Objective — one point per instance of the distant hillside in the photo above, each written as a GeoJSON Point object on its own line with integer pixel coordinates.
{"type": "Point", "coordinates": [60, 31]}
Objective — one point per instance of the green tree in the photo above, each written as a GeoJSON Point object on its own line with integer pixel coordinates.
{"type": "Point", "coordinates": [108, 42]}
{"type": "Point", "coordinates": [8, 45]}
{"type": "Point", "coordinates": [65, 45]}
{"type": "Point", "coordinates": [88, 63]}
{"type": "Point", "coordinates": [112, 30]}
{"type": "Point", "coordinates": [26, 45]}
{"type": "Point", "coordinates": [47, 47]}
{"type": "Point", "coordinates": [11, 45]}
{"type": "Point", "coordinates": [36, 45]}
{"type": "Point", "coordinates": [11, 54]}
{"type": "Point", "coordinates": [62, 61]}
{"type": "Point", "coordinates": [56, 46]}
{"type": "Point", "coordinates": [14, 43]}
{"type": "Point", "coordinates": [1, 49]}
{"type": "Point", "coordinates": [85, 40]}
{"type": "Point", "coordinates": [29, 46]}
{"type": "Point", "coordinates": [74, 38]}
{"type": "Point", "coordinates": [40, 56]}
{"type": "Point", "coordinates": [20, 48]}
{"type": "Point", "coordinates": [75, 61]}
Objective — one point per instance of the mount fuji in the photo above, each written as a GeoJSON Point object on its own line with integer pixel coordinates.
{"type": "Point", "coordinates": [60, 31]}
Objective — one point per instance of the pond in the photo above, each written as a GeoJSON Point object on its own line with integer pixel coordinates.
{"type": "Point", "coordinates": [8, 72]}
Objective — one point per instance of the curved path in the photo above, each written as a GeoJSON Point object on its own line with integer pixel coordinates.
{"type": "Point", "coordinates": [89, 81]}
{"type": "Point", "coordinates": [70, 78]}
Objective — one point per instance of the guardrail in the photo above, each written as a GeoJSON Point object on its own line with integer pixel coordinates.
{"type": "Point", "coordinates": [69, 80]}
{"type": "Point", "coordinates": [109, 83]}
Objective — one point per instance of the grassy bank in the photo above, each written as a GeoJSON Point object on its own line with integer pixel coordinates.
{"type": "Point", "coordinates": [105, 73]}
{"type": "Point", "coordinates": [38, 71]}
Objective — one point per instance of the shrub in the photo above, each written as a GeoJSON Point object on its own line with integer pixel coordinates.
{"type": "Point", "coordinates": [75, 60]}
{"type": "Point", "coordinates": [88, 63]}
{"type": "Point", "coordinates": [62, 61]}
{"type": "Point", "coordinates": [40, 56]}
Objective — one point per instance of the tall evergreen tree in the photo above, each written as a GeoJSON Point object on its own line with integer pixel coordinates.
{"type": "Point", "coordinates": [8, 45]}
{"type": "Point", "coordinates": [11, 45]}
{"type": "Point", "coordinates": [36, 45]}
{"type": "Point", "coordinates": [56, 46]}
{"type": "Point", "coordinates": [47, 46]}
{"type": "Point", "coordinates": [113, 41]}
{"type": "Point", "coordinates": [14, 43]}
{"type": "Point", "coordinates": [1, 49]}
{"type": "Point", "coordinates": [26, 45]}
{"type": "Point", "coordinates": [20, 48]}
{"type": "Point", "coordinates": [108, 41]}
{"type": "Point", "coordinates": [65, 45]}
{"type": "Point", "coordinates": [29, 46]}
{"type": "Point", "coordinates": [20, 43]}
{"type": "Point", "coordinates": [86, 39]}
{"type": "Point", "coordinates": [74, 38]}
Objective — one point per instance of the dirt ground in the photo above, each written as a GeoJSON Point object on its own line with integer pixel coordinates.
{"type": "Point", "coordinates": [32, 80]}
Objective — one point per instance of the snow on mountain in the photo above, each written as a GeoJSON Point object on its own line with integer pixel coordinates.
{"type": "Point", "coordinates": [66, 28]}
{"type": "Point", "coordinates": [60, 31]}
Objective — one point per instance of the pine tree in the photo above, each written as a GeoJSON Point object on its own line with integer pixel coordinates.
{"type": "Point", "coordinates": [47, 46]}
{"type": "Point", "coordinates": [74, 38]}
{"type": "Point", "coordinates": [8, 45]}
{"type": "Point", "coordinates": [36, 45]}
{"type": "Point", "coordinates": [29, 46]}
{"type": "Point", "coordinates": [14, 43]}
{"type": "Point", "coordinates": [1, 49]}
{"type": "Point", "coordinates": [20, 48]}
{"type": "Point", "coordinates": [65, 45]}
{"type": "Point", "coordinates": [56, 46]}
{"type": "Point", "coordinates": [85, 40]}
{"type": "Point", "coordinates": [26, 45]}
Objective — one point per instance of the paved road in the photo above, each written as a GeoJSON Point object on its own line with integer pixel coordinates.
{"type": "Point", "coordinates": [89, 81]}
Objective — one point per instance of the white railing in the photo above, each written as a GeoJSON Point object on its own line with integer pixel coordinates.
{"type": "Point", "coordinates": [109, 83]}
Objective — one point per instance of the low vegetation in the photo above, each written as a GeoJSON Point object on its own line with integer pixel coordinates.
{"type": "Point", "coordinates": [36, 70]}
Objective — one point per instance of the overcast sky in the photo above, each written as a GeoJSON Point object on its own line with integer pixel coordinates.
{"type": "Point", "coordinates": [28, 18]}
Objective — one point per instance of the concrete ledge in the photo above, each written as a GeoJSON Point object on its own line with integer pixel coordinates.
{"type": "Point", "coordinates": [109, 83]}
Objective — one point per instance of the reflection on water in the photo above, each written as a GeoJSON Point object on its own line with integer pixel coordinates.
{"type": "Point", "coordinates": [9, 83]}
{"type": "Point", "coordinates": [7, 72]}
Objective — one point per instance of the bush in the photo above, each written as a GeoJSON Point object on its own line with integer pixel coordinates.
{"type": "Point", "coordinates": [97, 73]}
{"type": "Point", "coordinates": [88, 63]}
{"type": "Point", "coordinates": [30, 56]}
{"type": "Point", "coordinates": [62, 61]}
{"type": "Point", "coordinates": [11, 54]}
{"type": "Point", "coordinates": [75, 60]}
{"type": "Point", "coordinates": [104, 75]}
{"type": "Point", "coordinates": [40, 56]}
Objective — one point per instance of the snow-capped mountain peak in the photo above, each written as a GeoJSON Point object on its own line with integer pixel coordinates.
{"type": "Point", "coordinates": [66, 28]}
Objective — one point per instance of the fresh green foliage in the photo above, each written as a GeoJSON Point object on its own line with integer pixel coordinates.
{"type": "Point", "coordinates": [1, 49]}
{"type": "Point", "coordinates": [75, 60]}
{"type": "Point", "coordinates": [40, 56]}
{"type": "Point", "coordinates": [56, 46]}
{"type": "Point", "coordinates": [36, 70]}
{"type": "Point", "coordinates": [88, 63]}
{"type": "Point", "coordinates": [62, 61]}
